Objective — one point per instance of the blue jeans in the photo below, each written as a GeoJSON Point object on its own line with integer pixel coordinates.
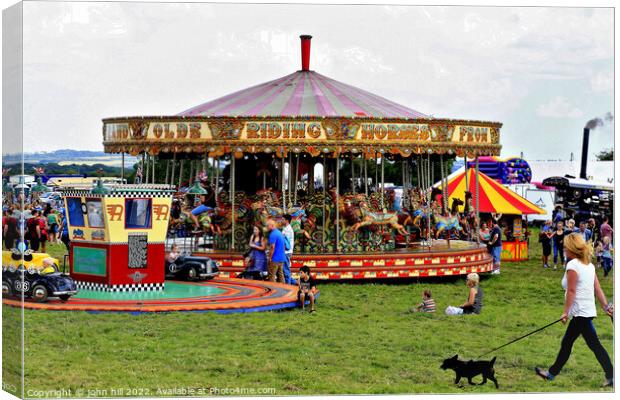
{"type": "Point", "coordinates": [496, 252]}
{"type": "Point", "coordinates": [607, 265]}
{"type": "Point", "coordinates": [558, 250]}
{"type": "Point", "coordinates": [287, 271]}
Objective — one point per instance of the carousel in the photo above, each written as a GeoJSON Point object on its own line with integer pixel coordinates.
{"type": "Point", "coordinates": [353, 169]}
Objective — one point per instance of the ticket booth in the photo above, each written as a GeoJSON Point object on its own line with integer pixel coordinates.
{"type": "Point", "coordinates": [118, 237]}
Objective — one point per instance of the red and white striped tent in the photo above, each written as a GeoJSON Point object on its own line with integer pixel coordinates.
{"type": "Point", "coordinates": [494, 197]}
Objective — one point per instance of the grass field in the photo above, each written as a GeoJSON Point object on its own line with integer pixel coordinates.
{"type": "Point", "coordinates": [361, 340]}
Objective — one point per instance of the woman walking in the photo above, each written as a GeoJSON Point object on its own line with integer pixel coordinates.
{"type": "Point", "coordinates": [581, 286]}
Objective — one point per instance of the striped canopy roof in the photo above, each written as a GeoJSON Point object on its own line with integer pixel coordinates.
{"type": "Point", "coordinates": [494, 197]}
{"type": "Point", "coordinates": [303, 93]}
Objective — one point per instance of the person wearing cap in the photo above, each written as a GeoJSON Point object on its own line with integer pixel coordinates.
{"type": "Point", "coordinates": [473, 305]}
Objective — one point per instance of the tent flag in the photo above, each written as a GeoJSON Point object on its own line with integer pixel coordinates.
{"type": "Point", "coordinates": [494, 197]}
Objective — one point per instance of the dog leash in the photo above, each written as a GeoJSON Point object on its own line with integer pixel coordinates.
{"type": "Point", "coordinates": [519, 338]}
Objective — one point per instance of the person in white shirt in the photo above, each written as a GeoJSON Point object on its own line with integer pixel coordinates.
{"type": "Point", "coordinates": [581, 286]}
{"type": "Point", "coordinates": [289, 234]}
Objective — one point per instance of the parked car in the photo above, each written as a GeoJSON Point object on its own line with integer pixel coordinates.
{"type": "Point", "coordinates": [191, 268]}
{"type": "Point", "coordinates": [41, 277]}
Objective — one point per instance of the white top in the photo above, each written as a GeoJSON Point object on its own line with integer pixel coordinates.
{"type": "Point", "coordinates": [584, 304]}
{"type": "Point", "coordinates": [288, 232]}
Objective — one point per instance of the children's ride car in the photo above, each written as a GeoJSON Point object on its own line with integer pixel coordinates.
{"type": "Point", "coordinates": [36, 275]}
{"type": "Point", "coordinates": [191, 268]}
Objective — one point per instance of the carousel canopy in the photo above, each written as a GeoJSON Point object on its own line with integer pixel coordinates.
{"type": "Point", "coordinates": [494, 197]}
{"type": "Point", "coordinates": [300, 112]}
{"type": "Point", "coordinates": [303, 93]}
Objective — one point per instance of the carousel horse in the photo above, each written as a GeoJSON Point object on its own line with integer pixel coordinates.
{"type": "Point", "coordinates": [298, 217]}
{"type": "Point", "coordinates": [378, 218]}
{"type": "Point", "coordinates": [346, 210]}
{"type": "Point", "coordinates": [270, 197]}
{"type": "Point", "coordinates": [207, 225]}
{"type": "Point", "coordinates": [222, 216]}
{"type": "Point", "coordinates": [456, 203]}
{"type": "Point", "coordinates": [447, 223]}
{"type": "Point", "coordinates": [313, 204]}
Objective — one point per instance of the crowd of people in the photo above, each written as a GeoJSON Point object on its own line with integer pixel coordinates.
{"type": "Point", "coordinates": [553, 233]}
{"type": "Point", "coordinates": [41, 223]}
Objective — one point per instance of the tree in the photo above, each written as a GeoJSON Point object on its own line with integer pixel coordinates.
{"type": "Point", "coordinates": [605, 155]}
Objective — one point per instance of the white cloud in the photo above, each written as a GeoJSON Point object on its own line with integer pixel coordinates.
{"type": "Point", "coordinates": [602, 82]}
{"type": "Point", "coordinates": [558, 107]}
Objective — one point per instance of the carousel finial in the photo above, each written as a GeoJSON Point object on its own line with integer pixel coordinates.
{"type": "Point", "coordinates": [305, 52]}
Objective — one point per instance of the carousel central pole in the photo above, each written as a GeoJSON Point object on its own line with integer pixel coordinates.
{"type": "Point", "coordinates": [146, 168]}
{"type": "Point", "coordinates": [290, 180]}
{"type": "Point", "coordinates": [181, 172]}
{"type": "Point", "coordinates": [167, 172]}
{"type": "Point", "coordinates": [123, 167]}
{"type": "Point", "coordinates": [282, 181]}
{"type": "Point", "coordinates": [142, 168]}
{"type": "Point", "coordinates": [217, 176]}
{"type": "Point", "coordinates": [382, 182]}
{"type": "Point", "coordinates": [191, 172]}
{"type": "Point", "coordinates": [174, 166]}
{"type": "Point", "coordinates": [466, 190]}
{"type": "Point", "coordinates": [296, 177]}
{"type": "Point", "coordinates": [417, 164]}
{"type": "Point", "coordinates": [337, 203]}
{"type": "Point", "coordinates": [232, 191]}
{"type": "Point", "coordinates": [365, 175]}
{"type": "Point", "coordinates": [352, 176]}
{"type": "Point", "coordinates": [477, 201]}
{"type": "Point", "coordinates": [429, 194]}
{"type": "Point", "coordinates": [324, 184]}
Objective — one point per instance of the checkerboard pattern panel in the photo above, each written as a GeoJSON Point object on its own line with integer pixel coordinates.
{"type": "Point", "coordinates": [134, 287]}
{"type": "Point", "coordinates": [121, 193]}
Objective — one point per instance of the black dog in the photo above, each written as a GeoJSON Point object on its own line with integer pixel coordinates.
{"type": "Point", "coordinates": [470, 369]}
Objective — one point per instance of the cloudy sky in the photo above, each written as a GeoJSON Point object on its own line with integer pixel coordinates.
{"type": "Point", "coordinates": [543, 72]}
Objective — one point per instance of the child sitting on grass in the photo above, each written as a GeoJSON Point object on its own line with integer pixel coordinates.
{"type": "Point", "coordinates": [427, 305]}
{"type": "Point", "coordinates": [307, 288]}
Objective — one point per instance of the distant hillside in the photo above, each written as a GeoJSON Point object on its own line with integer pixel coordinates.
{"type": "Point", "coordinates": [67, 156]}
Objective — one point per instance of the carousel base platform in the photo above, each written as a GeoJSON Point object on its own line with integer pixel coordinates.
{"type": "Point", "coordinates": [417, 261]}
{"type": "Point", "coordinates": [220, 295]}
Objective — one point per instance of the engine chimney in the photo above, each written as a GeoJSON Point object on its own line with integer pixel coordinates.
{"type": "Point", "coordinates": [584, 154]}
{"type": "Point", "coordinates": [305, 52]}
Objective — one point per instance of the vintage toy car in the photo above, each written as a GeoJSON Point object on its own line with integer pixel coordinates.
{"type": "Point", "coordinates": [41, 277]}
{"type": "Point", "coordinates": [191, 268]}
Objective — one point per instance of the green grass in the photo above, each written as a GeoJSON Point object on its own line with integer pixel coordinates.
{"type": "Point", "coordinates": [361, 340]}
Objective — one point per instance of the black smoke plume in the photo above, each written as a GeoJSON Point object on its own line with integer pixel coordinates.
{"type": "Point", "coordinates": [599, 121]}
